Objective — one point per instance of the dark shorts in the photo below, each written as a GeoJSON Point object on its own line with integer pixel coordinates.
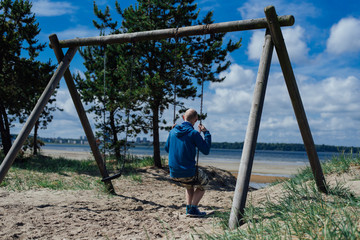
{"type": "Point", "coordinates": [201, 183]}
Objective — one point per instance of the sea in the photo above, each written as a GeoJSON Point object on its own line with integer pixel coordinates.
{"type": "Point", "coordinates": [216, 155]}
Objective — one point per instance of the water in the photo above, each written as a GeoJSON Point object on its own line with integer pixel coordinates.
{"type": "Point", "coordinates": [216, 155]}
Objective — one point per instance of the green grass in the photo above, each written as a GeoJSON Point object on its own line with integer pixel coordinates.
{"type": "Point", "coordinates": [37, 172]}
{"type": "Point", "coordinates": [302, 212]}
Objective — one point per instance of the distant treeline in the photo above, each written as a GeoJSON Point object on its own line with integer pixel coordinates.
{"type": "Point", "coordinates": [285, 147]}
{"type": "Point", "coordinates": [279, 147]}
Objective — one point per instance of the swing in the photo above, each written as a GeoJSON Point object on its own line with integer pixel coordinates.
{"type": "Point", "coordinates": [195, 181]}
{"type": "Point", "coordinates": [119, 173]}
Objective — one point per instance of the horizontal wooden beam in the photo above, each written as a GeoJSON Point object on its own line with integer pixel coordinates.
{"type": "Point", "coordinates": [242, 25]}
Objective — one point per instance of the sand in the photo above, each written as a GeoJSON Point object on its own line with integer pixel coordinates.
{"type": "Point", "coordinates": [67, 154]}
{"type": "Point", "coordinates": [151, 209]}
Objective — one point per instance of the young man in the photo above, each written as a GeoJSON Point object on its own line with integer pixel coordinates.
{"type": "Point", "coordinates": [181, 146]}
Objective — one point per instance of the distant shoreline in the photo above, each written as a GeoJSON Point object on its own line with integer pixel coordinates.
{"type": "Point", "coordinates": [297, 147]}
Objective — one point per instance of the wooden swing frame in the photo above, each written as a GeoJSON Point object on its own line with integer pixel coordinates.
{"type": "Point", "coordinates": [273, 37]}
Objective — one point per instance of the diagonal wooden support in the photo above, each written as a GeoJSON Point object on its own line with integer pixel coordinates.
{"type": "Point", "coordinates": [247, 157]}
{"type": "Point", "coordinates": [82, 115]}
{"type": "Point", "coordinates": [35, 114]}
{"type": "Point", "coordinates": [294, 93]}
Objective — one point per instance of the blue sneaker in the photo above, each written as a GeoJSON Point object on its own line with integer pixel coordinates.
{"type": "Point", "coordinates": [188, 209]}
{"type": "Point", "coordinates": [194, 212]}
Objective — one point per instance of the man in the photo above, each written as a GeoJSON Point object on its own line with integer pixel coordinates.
{"type": "Point", "coordinates": [181, 146]}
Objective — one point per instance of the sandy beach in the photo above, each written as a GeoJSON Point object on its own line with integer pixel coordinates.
{"type": "Point", "coordinates": [153, 208]}
{"type": "Point", "coordinates": [261, 172]}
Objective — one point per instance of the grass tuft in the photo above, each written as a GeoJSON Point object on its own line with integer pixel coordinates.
{"type": "Point", "coordinates": [302, 212]}
{"type": "Point", "coordinates": [37, 172]}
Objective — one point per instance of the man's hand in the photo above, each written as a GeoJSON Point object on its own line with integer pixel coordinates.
{"type": "Point", "coordinates": [202, 128]}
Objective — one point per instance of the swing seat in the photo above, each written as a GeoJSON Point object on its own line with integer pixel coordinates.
{"type": "Point", "coordinates": [193, 182]}
{"type": "Point", "coordinates": [116, 175]}
{"type": "Point", "coordinates": [190, 183]}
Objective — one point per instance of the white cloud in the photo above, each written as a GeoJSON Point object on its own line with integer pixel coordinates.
{"type": "Point", "coordinates": [333, 96]}
{"type": "Point", "coordinates": [47, 8]}
{"type": "Point", "coordinates": [64, 101]}
{"type": "Point", "coordinates": [79, 72]}
{"type": "Point", "coordinates": [331, 106]}
{"type": "Point", "coordinates": [256, 45]}
{"type": "Point", "coordinates": [236, 77]}
{"type": "Point", "coordinates": [79, 31]}
{"type": "Point", "coordinates": [288, 122]}
{"type": "Point", "coordinates": [297, 48]}
{"type": "Point", "coordinates": [234, 92]}
{"type": "Point", "coordinates": [295, 44]}
{"type": "Point", "coordinates": [255, 8]}
{"type": "Point", "coordinates": [344, 36]}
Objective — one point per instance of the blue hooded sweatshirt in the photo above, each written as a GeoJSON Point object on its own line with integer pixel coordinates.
{"type": "Point", "coordinates": [181, 146]}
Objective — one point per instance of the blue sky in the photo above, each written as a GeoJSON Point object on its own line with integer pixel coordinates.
{"type": "Point", "coordinates": [323, 45]}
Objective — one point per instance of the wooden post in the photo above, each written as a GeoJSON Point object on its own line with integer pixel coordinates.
{"type": "Point", "coordinates": [247, 157]}
{"type": "Point", "coordinates": [296, 101]}
{"type": "Point", "coordinates": [82, 115]}
{"type": "Point", "coordinates": [35, 114]}
{"type": "Point", "coordinates": [241, 25]}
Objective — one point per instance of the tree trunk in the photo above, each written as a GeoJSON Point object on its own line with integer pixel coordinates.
{"type": "Point", "coordinates": [35, 145]}
{"type": "Point", "coordinates": [156, 141]}
{"type": "Point", "coordinates": [114, 132]}
{"type": "Point", "coordinates": [5, 130]}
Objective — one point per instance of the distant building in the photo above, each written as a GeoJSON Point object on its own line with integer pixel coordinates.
{"type": "Point", "coordinates": [145, 140]}
{"type": "Point", "coordinates": [138, 140]}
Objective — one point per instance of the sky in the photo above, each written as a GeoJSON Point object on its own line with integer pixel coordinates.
{"type": "Point", "coordinates": [324, 50]}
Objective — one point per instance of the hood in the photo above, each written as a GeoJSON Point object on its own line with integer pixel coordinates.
{"type": "Point", "coordinates": [184, 128]}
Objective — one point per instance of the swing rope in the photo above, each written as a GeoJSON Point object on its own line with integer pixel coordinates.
{"type": "Point", "coordinates": [127, 105]}
{"type": "Point", "coordinates": [201, 110]}
{"type": "Point", "coordinates": [104, 103]}
{"type": "Point", "coordinates": [195, 180]}
{"type": "Point", "coordinates": [175, 73]}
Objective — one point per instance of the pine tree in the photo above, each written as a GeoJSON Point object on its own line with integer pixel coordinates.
{"type": "Point", "coordinates": [166, 68]}
{"type": "Point", "coordinates": [171, 65]}
{"type": "Point", "coordinates": [112, 86]}
{"type": "Point", "coordinates": [35, 78]}
{"type": "Point", "coordinates": [18, 29]}
{"type": "Point", "coordinates": [158, 58]}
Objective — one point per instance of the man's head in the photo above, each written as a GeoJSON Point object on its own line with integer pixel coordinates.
{"type": "Point", "coordinates": [190, 116]}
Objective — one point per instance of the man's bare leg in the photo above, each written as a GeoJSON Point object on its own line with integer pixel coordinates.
{"type": "Point", "coordinates": [193, 197]}
{"type": "Point", "coordinates": [189, 196]}
{"type": "Point", "coordinates": [197, 196]}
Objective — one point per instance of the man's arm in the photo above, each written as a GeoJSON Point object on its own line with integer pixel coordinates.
{"type": "Point", "coordinates": [167, 144]}
{"type": "Point", "coordinates": [204, 145]}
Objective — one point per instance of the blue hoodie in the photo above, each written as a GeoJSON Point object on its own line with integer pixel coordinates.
{"type": "Point", "coordinates": [181, 146]}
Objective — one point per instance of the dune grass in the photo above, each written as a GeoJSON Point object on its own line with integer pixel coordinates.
{"type": "Point", "coordinates": [302, 212]}
{"type": "Point", "coordinates": [37, 172]}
